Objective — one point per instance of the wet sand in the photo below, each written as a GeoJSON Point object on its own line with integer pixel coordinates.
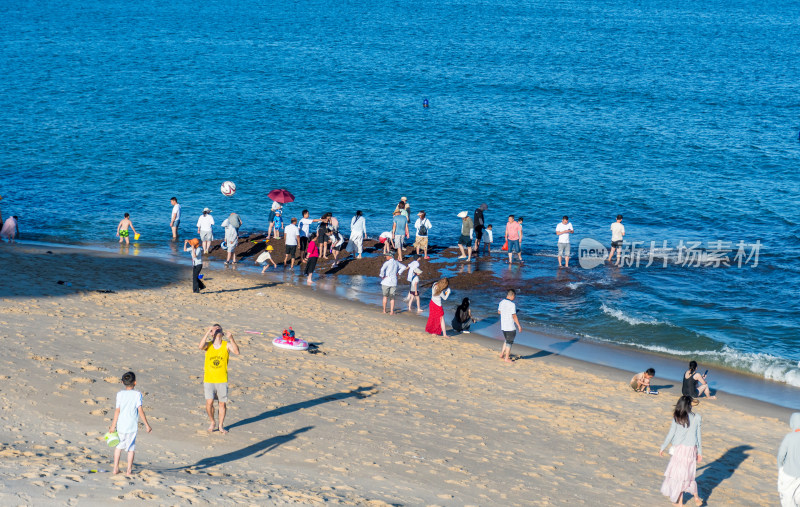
{"type": "Point", "coordinates": [381, 413]}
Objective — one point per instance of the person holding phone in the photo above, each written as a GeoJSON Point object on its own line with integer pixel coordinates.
{"type": "Point", "coordinates": [694, 384]}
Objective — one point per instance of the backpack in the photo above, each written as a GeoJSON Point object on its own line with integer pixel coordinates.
{"type": "Point", "coordinates": [423, 231]}
{"type": "Point", "coordinates": [235, 221]}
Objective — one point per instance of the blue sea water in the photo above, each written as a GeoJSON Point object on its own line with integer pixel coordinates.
{"type": "Point", "coordinates": [682, 116]}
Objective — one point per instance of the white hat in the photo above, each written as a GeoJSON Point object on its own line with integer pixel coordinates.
{"type": "Point", "coordinates": [463, 214]}
{"type": "Point", "coordinates": [417, 271]}
{"type": "Point", "coordinates": [206, 210]}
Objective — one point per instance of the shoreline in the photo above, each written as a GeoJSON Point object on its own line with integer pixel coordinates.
{"type": "Point", "coordinates": [382, 413]}
{"type": "Point", "coordinates": [537, 342]}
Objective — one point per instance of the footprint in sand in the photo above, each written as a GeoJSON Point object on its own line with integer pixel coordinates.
{"type": "Point", "coordinates": [138, 494]}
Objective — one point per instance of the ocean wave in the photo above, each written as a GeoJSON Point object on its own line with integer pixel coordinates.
{"type": "Point", "coordinates": [766, 365]}
{"type": "Point", "coordinates": [633, 321]}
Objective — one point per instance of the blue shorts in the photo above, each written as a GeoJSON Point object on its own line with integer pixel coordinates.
{"type": "Point", "coordinates": [513, 246]}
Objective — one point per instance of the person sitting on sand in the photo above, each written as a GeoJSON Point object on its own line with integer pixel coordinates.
{"type": "Point", "coordinates": [508, 320]}
{"type": "Point", "coordinates": [462, 320]}
{"type": "Point", "coordinates": [215, 374]}
{"type": "Point", "coordinates": [641, 381]}
{"type": "Point", "coordinates": [122, 228]}
{"type": "Point", "coordinates": [126, 420]}
{"type": "Point", "coordinates": [694, 384]}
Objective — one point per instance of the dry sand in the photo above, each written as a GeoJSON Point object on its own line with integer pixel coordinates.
{"type": "Point", "coordinates": [383, 413]}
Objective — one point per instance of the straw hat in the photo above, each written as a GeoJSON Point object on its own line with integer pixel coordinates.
{"type": "Point", "coordinates": [463, 214]}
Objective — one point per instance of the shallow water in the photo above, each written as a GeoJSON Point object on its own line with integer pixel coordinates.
{"type": "Point", "coordinates": [682, 117]}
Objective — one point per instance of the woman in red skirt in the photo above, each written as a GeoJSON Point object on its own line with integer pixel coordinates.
{"type": "Point", "coordinates": [435, 323]}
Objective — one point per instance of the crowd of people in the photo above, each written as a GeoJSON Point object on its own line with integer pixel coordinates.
{"type": "Point", "coordinates": [684, 434]}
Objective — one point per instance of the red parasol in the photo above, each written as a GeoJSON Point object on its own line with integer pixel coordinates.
{"type": "Point", "coordinates": [282, 196]}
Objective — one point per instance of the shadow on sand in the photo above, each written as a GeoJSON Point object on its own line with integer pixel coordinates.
{"type": "Point", "coordinates": [360, 393]}
{"type": "Point", "coordinates": [259, 449]}
{"type": "Point", "coordinates": [720, 469]}
{"type": "Point", "coordinates": [557, 347]}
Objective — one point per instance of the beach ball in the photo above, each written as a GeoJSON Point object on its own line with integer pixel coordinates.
{"type": "Point", "coordinates": [228, 188]}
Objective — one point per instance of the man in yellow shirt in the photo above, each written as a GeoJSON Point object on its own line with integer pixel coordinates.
{"type": "Point", "coordinates": [215, 377]}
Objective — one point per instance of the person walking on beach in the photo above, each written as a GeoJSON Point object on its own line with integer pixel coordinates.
{"type": "Point", "coordinates": [122, 228]}
{"type": "Point", "coordinates": [390, 270]}
{"type": "Point", "coordinates": [204, 229]}
{"type": "Point", "coordinates": [789, 464]}
{"type": "Point", "coordinates": [175, 220]}
{"type": "Point", "coordinates": [312, 256]}
{"type": "Point", "coordinates": [193, 246]}
{"type": "Point", "coordinates": [358, 231]}
{"type": "Point", "coordinates": [399, 232]}
{"type": "Point", "coordinates": [423, 227]}
{"type": "Point", "coordinates": [563, 230]}
{"type": "Point", "coordinates": [439, 293]}
{"type": "Point", "coordinates": [413, 291]}
{"type": "Point", "coordinates": [465, 239]}
{"type": "Point", "coordinates": [215, 372]}
{"type": "Point", "coordinates": [126, 421]}
{"type": "Point", "coordinates": [684, 435]}
{"type": "Point", "coordinates": [509, 323]}
{"type": "Point", "coordinates": [291, 235]}
{"type": "Point", "coordinates": [305, 230]}
{"type": "Point", "coordinates": [10, 229]}
{"type": "Point", "coordinates": [694, 384]}
{"type": "Point", "coordinates": [617, 235]}
{"type": "Point", "coordinates": [231, 226]}
{"type": "Point", "coordinates": [480, 225]}
{"type": "Point", "coordinates": [462, 320]}
{"type": "Point", "coordinates": [514, 238]}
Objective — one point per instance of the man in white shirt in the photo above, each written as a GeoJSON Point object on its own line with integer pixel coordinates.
{"type": "Point", "coordinates": [617, 234]}
{"type": "Point", "coordinates": [389, 272]}
{"type": "Point", "coordinates": [175, 221]}
{"type": "Point", "coordinates": [423, 227]}
{"type": "Point", "coordinates": [305, 230]}
{"type": "Point", "coordinates": [204, 225]}
{"type": "Point", "coordinates": [291, 234]}
{"type": "Point", "coordinates": [563, 230]}
{"type": "Point", "coordinates": [509, 323]}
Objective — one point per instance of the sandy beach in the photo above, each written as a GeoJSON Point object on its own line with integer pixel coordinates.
{"type": "Point", "coordinates": [381, 413]}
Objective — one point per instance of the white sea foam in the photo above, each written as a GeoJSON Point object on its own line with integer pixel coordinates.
{"type": "Point", "coordinates": [575, 285]}
{"type": "Point", "coordinates": [766, 365]}
{"type": "Point", "coordinates": [620, 315]}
